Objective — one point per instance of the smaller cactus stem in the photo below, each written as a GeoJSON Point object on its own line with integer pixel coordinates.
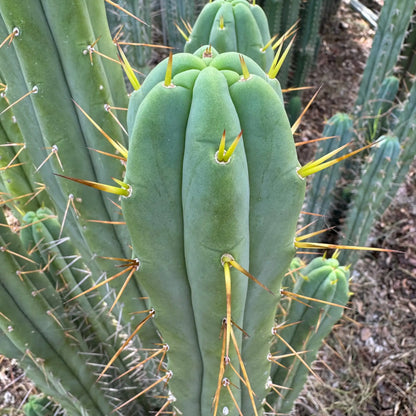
{"type": "Point", "coordinates": [165, 378]}
{"type": "Point", "coordinates": [246, 73]}
{"type": "Point", "coordinates": [34, 90]}
{"type": "Point", "coordinates": [276, 333]}
{"type": "Point", "coordinates": [151, 314]}
{"type": "Point", "coordinates": [117, 146]}
{"type": "Point", "coordinates": [9, 38]}
{"type": "Point", "coordinates": [168, 76]}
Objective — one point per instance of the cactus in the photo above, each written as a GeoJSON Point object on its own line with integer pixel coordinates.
{"type": "Point", "coordinates": [197, 242]}
{"type": "Point", "coordinates": [135, 32]}
{"type": "Point", "coordinates": [323, 184]}
{"type": "Point", "coordinates": [233, 26]}
{"type": "Point", "coordinates": [93, 88]}
{"type": "Point", "coordinates": [208, 237]}
{"type": "Point", "coordinates": [369, 200]}
{"type": "Point", "coordinates": [391, 30]}
{"type": "Point", "coordinates": [174, 12]}
{"type": "Point", "coordinates": [317, 301]}
{"type": "Point", "coordinates": [307, 45]}
{"type": "Point", "coordinates": [28, 323]}
{"type": "Point", "coordinates": [381, 107]}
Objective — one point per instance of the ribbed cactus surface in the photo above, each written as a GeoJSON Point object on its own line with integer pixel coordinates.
{"type": "Point", "coordinates": [190, 212]}
{"type": "Point", "coordinates": [233, 26]}
{"type": "Point", "coordinates": [320, 294]}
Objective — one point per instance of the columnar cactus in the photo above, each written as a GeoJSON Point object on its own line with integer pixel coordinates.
{"type": "Point", "coordinates": [233, 26]}
{"type": "Point", "coordinates": [391, 31]}
{"type": "Point", "coordinates": [339, 129]}
{"type": "Point", "coordinates": [210, 190]}
{"type": "Point", "coordinates": [317, 302]}
{"type": "Point", "coordinates": [369, 198]}
{"type": "Point", "coordinates": [193, 210]}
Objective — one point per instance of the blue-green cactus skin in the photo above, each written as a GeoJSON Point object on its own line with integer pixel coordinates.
{"type": "Point", "coordinates": [186, 210]}
{"type": "Point", "coordinates": [323, 280]}
{"type": "Point", "coordinates": [233, 26]}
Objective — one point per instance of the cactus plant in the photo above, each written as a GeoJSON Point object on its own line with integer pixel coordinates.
{"type": "Point", "coordinates": [206, 188]}
{"type": "Point", "coordinates": [322, 186]}
{"type": "Point", "coordinates": [208, 236]}
{"type": "Point", "coordinates": [391, 30]}
{"type": "Point", "coordinates": [319, 296]}
{"type": "Point", "coordinates": [233, 26]}
{"type": "Point", "coordinates": [369, 199]}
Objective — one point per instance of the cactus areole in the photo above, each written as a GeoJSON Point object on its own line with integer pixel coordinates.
{"type": "Point", "coordinates": [205, 206]}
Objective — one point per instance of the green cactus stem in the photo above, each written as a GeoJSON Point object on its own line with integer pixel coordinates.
{"type": "Point", "coordinates": [316, 303]}
{"type": "Point", "coordinates": [187, 209]}
{"type": "Point", "coordinates": [391, 31]}
{"type": "Point", "coordinates": [367, 203]}
{"type": "Point", "coordinates": [233, 26]}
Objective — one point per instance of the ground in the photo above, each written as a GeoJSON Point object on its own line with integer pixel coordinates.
{"type": "Point", "coordinates": [369, 362]}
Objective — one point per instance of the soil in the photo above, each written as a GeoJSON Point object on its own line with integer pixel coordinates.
{"type": "Point", "coordinates": [368, 364]}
